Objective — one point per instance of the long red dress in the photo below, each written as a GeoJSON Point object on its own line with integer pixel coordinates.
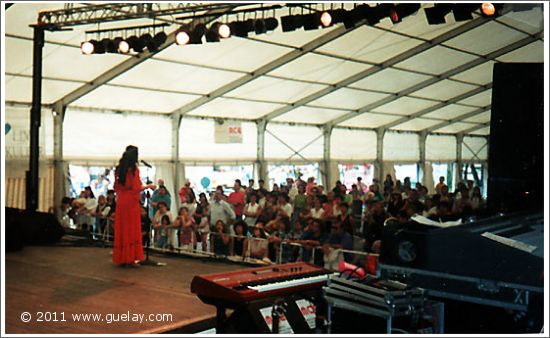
{"type": "Point", "coordinates": [127, 244]}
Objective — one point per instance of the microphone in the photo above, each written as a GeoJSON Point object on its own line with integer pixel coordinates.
{"type": "Point", "coordinates": [146, 164]}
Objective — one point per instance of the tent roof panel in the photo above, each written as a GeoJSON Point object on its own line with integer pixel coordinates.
{"type": "Point", "coordinates": [175, 77]}
{"type": "Point", "coordinates": [272, 89]}
{"type": "Point", "coordinates": [232, 108]}
{"type": "Point", "coordinates": [533, 52]}
{"type": "Point", "coordinates": [531, 21]}
{"type": "Point", "coordinates": [307, 114]}
{"type": "Point", "coordinates": [347, 98]}
{"type": "Point", "coordinates": [232, 54]}
{"type": "Point", "coordinates": [486, 38]}
{"type": "Point", "coordinates": [483, 131]}
{"type": "Point", "coordinates": [481, 100]}
{"type": "Point", "coordinates": [436, 60]}
{"type": "Point", "coordinates": [20, 89]}
{"type": "Point", "coordinates": [482, 74]}
{"type": "Point", "coordinates": [443, 90]}
{"type": "Point", "coordinates": [480, 118]}
{"type": "Point", "coordinates": [117, 98]}
{"type": "Point", "coordinates": [416, 124]}
{"type": "Point", "coordinates": [450, 112]}
{"type": "Point", "coordinates": [369, 44]}
{"type": "Point", "coordinates": [404, 106]}
{"type": "Point", "coordinates": [390, 80]}
{"type": "Point", "coordinates": [295, 38]}
{"type": "Point", "coordinates": [314, 67]}
{"type": "Point", "coordinates": [369, 120]}
{"type": "Point", "coordinates": [455, 127]}
{"type": "Point", "coordinates": [417, 25]}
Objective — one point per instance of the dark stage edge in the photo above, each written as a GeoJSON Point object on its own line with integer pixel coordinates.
{"type": "Point", "coordinates": [78, 280]}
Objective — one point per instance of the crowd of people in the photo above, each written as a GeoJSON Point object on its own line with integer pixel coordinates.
{"type": "Point", "coordinates": [311, 222]}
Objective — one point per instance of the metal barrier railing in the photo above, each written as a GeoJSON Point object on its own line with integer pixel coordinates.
{"type": "Point", "coordinates": [287, 251]}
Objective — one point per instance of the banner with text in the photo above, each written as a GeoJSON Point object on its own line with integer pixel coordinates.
{"type": "Point", "coordinates": [228, 132]}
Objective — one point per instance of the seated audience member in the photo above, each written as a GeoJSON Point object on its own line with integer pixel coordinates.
{"type": "Point", "coordinates": [338, 239]}
{"type": "Point", "coordinates": [241, 230]}
{"type": "Point", "coordinates": [374, 223]}
{"type": "Point", "coordinates": [312, 238]}
{"type": "Point", "coordinates": [477, 202]}
{"type": "Point", "coordinates": [63, 214]}
{"type": "Point", "coordinates": [252, 210]}
{"type": "Point", "coordinates": [346, 219]}
{"type": "Point", "coordinates": [100, 213]}
{"type": "Point", "coordinates": [162, 228]}
{"type": "Point", "coordinates": [257, 244]}
{"type": "Point", "coordinates": [220, 241]}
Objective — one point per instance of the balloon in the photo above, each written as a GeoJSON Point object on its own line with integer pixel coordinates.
{"type": "Point", "coordinates": [205, 182]}
{"type": "Point", "coordinates": [8, 128]}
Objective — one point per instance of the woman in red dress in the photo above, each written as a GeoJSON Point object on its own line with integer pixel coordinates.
{"type": "Point", "coordinates": [127, 248]}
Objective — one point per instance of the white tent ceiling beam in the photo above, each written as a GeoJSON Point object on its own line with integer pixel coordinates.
{"type": "Point", "coordinates": [446, 75]}
{"type": "Point", "coordinates": [474, 128]}
{"type": "Point", "coordinates": [457, 119]}
{"type": "Point", "coordinates": [314, 44]}
{"type": "Point", "coordinates": [123, 67]}
{"type": "Point", "coordinates": [377, 68]}
{"type": "Point", "coordinates": [428, 110]}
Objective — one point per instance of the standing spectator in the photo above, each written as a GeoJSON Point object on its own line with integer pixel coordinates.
{"type": "Point", "coordinates": [185, 223]}
{"type": "Point", "coordinates": [236, 199]}
{"type": "Point", "coordinates": [201, 218]}
{"type": "Point", "coordinates": [162, 230]}
{"type": "Point", "coordinates": [292, 189]}
{"type": "Point", "coordinates": [477, 202]}
{"type": "Point", "coordinates": [160, 195]}
{"type": "Point", "coordinates": [440, 185]}
{"type": "Point", "coordinates": [100, 213]}
{"type": "Point", "coordinates": [190, 204]}
{"type": "Point", "coordinates": [251, 211]}
{"type": "Point", "coordinates": [361, 186]}
{"type": "Point", "coordinates": [388, 185]}
{"type": "Point", "coordinates": [261, 187]}
{"type": "Point", "coordinates": [220, 210]}
{"type": "Point", "coordinates": [186, 189]}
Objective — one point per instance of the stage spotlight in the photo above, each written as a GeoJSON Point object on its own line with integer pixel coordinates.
{"type": "Point", "coordinates": [182, 36]}
{"type": "Point", "coordinates": [401, 11]}
{"type": "Point", "coordinates": [88, 47]}
{"type": "Point", "coordinates": [259, 26]}
{"type": "Point", "coordinates": [136, 44]}
{"type": "Point", "coordinates": [311, 21]}
{"type": "Point", "coordinates": [488, 9]}
{"type": "Point", "coordinates": [326, 19]}
{"type": "Point", "coordinates": [197, 34]}
{"type": "Point", "coordinates": [271, 24]}
{"type": "Point", "coordinates": [337, 15]}
{"type": "Point", "coordinates": [122, 46]}
{"type": "Point", "coordinates": [463, 12]}
{"type": "Point", "coordinates": [436, 14]}
{"type": "Point", "coordinates": [290, 23]}
{"type": "Point", "coordinates": [101, 46]}
{"type": "Point", "coordinates": [223, 30]}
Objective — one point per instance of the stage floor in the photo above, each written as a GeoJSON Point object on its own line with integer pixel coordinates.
{"type": "Point", "coordinates": [63, 282]}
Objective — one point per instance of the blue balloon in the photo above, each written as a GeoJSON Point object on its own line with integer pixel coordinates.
{"type": "Point", "coordinates": [8, 128]}
{"type": "Point", "coordinates": [205, 182]}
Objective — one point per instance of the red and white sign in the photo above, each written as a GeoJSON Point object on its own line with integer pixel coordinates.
{"type": "Point", "coordinates": [308, 310]}
{"type": "Point", "coordinates": [228, 132]}
{"type": "Point", "coordinates": [284, 326]}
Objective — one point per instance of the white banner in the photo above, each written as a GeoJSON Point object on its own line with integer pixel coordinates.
{"type": "Point", "coordinates": [228, 132]}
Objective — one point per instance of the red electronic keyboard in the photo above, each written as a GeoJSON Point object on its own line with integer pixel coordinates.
{"type": "Point", "coordinates": [258, 283]}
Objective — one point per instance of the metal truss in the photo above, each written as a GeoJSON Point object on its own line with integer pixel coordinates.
{"type": "Point", "coordinates": [74, 16]}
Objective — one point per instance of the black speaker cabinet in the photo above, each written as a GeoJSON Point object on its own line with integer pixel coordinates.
{"type": "Point", "coordinates": [30, 228]}
{"type": "Point", "coordinates": [516, 142]}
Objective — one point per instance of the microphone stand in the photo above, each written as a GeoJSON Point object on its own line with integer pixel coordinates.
{"type": "Point", "coordinates": [148, 261]}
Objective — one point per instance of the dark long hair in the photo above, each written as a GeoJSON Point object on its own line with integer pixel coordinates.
{"type": "Point", "coordinates": [127, 161]}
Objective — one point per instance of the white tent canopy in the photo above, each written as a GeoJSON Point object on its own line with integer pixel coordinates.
{"type": "Point", "coordinates": [407, 79]}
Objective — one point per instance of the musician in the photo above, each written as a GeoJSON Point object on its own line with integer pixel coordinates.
{"type": "Point", "coordinates": [127, 246]}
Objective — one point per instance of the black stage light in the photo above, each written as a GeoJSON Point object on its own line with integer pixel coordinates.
{"type": "Point", "coordinates": [136, 44]}
{"type": "Point", "coordinates": [160, 38]}
{"type": "Point", "coordinates": [197, 33]}
{"type": "Point", "coordinates": [101, 47]}
{"type": "Point", "coordinates": [111, 46]}
{"type": "Point", "coordinates": [337, 15]}
{"type": "Point", "coordinates": [259, 26]}
{"type": "Point", "coordinates": [290, 23]}
{"type": "Point", "coordinates": [436, 14]}
{"type": "Point", "coordinates": [311, 21]}
{"type": "Point", "coordinates": [463, 12]}
{"type": "Point", "coordinates": [401, 11]}
{"type": "Point", "coordinates": [271, 24]}
{"type": "Point", "coordinates": [239, 28]}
